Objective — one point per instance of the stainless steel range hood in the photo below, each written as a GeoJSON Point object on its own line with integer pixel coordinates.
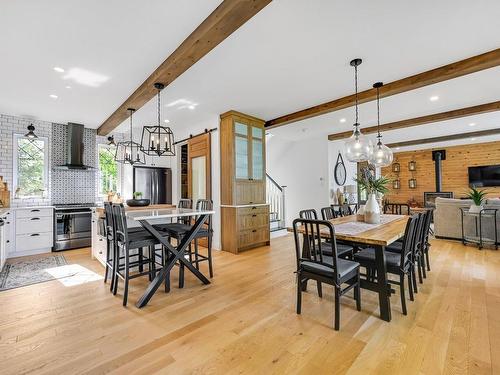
{"type": "Point", "coordinates": [75, 148]}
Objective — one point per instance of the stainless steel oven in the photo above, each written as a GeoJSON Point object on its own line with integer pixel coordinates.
{"type": "Point", "coordinates": [72, 227]}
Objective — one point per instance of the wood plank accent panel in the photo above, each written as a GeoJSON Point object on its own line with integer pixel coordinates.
{"type": "Point", "coordinates": [454, 170]}
{"type": "Point", "coordinates": [200, 146]}
{"type": "Point", "coordinates": [428, 119]}
{"type": "Point", "coordinates": [443, 73]}
{"type": "Point", "coordinates": [479, 133]}
{"type": "Point", "coordinates": [222, 22]}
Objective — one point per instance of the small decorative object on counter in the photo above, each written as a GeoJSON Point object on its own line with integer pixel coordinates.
{"type": "Point", "coordinates": [375, 188]}
{"type": "Point", "coordinates": [137, 201]}
{"type": "Point", "coordinates": [477, 197]}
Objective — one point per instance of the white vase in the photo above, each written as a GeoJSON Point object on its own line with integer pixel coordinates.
{"type": "Point", "coordinates": [372, 210]}
{"type": "Point", "coordinates": [474, 209]}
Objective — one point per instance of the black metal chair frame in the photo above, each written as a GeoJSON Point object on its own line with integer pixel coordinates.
{"type": "Point", "coordinates": [312, 252]}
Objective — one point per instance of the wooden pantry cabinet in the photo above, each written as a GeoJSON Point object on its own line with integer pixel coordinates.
{"type": "Point", "coordinates": [245, 214]}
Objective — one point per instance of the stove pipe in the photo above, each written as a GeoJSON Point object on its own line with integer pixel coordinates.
{"type": "Point", "coordinates": [438, 156]}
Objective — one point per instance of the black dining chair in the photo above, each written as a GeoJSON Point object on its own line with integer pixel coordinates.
{"type": "Point", "coordinates": [344, 209]}
{"type": "Point", "coordinates": [400, 264]}
{"type": "Point", "coordinates": [328, 213]}
{"type": "Point", "coordinates": [396, 209]}
{"type": "Point", "coordinates": [127, 243]}
{"type": "Point", "coordinates": [343, 250]}
{"type": "Point", "coordinates": [314, 264]}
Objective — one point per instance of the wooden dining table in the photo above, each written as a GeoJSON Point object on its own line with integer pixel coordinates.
{"type": "Point", "coordinates": [352, 229]}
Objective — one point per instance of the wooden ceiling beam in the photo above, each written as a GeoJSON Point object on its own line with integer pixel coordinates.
{"type": "Point", "coordinates": [453, 137]}
{"type": "Point", "coordinates": [457, 69]}
{"type": "Point", "coordinates": [222, 22]}
{"type": "Point", "coordinates": [428, 119]}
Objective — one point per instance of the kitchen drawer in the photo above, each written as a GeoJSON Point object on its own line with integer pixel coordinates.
{"type": "Point", "coordinates": [253, 221]}
{"type": "Point", "coordinates": [34, 224]}
{"type": "Point", "coordinates": [35, 241]}
{"type": "Point", "coordinates": [253, 210]}
{"type": "Point", "coordinates": [34, 212]}
{"type": "Point", "coordinates": [253, 236]}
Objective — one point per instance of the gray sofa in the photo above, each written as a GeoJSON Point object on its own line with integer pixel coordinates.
{"type": "Point", "coordinates": [447, 218]}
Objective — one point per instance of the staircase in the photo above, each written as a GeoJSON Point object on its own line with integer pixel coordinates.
{"type": "Point", "coordinates": [275, 197]}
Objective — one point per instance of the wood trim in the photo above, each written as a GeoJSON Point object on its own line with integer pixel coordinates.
{"type": "Point", "coordinates": [222, 22]}
{"type": "Point", "coordinates": [457, 69]}
{"type": "Point", "coordinates": [480, 133]}
{"type": "Point", "coordinates": [428, 119]}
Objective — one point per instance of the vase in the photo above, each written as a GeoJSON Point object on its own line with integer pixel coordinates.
{"type": "Point", "coordinates": [475, 209]}
{"type": "Point", "coordinates": [372, 210]}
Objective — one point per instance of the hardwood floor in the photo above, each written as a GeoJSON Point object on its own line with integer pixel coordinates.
{"type": "Point", "coordinates": [245, 322]}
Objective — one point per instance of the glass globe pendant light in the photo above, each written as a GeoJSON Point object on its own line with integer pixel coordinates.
{"type": "Point", "coordinates": [380, 155]}
{"type": "Point", "coordinates": [358, 146]}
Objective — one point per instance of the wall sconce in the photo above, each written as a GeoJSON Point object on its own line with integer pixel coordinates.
{"type": "Point", "coordinates": [396, 184]}
{"type": "Point", "coordinates": [396, 167]}
{"type": "Point", "coordinates": [412, 165]}
{"type": "Point", "coordinates": [412, 183]}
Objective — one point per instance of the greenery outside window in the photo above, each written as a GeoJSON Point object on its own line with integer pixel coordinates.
{"type": "Point", "coordinates": [108, 169]}
{"type": "Point", "coordinates": [30, 167]}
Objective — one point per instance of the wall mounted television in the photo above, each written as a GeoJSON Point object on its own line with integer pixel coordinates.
{"type": "Point", "coordinates": [488, 175]}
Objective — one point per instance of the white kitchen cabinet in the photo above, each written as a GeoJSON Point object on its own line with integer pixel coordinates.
{"type": "Point", "coordinates": [99, 246]}
{"type": "Point", "coordinates": [4, 237]}
{"type": "Point", "coordinates": [31, 231]}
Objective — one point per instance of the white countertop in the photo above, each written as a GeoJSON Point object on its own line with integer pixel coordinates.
{"type": "Point", "coordinates": [165, 213]}
{"type": "Point", "coordinates": [31, 207]}
{"type": "Point", "coordinates": [245, 205]}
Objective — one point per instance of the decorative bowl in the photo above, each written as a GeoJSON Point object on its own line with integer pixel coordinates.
{"type": "Point", "coordinates": [138, 202]}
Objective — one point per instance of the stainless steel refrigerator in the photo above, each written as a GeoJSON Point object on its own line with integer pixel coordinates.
{"type": "Point", "coordinates": [154, 184]}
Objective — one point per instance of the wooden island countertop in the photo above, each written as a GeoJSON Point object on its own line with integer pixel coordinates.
{"type": "Point", "coordinates": [100, 210]}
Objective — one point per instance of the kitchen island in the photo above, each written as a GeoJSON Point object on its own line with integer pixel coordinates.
{"type": "Point", "coordinates": [99, 247]}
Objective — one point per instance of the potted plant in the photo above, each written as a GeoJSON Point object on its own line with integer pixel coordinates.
{"type": "Point", "coordinates": [477, 197]}
{"type": "Point", "coordinates": [137, 200]}
{"type": "Point", "coordinates": [375, 188]}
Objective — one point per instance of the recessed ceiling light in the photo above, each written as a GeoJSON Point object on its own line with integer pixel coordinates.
{"type": "Point", "coordinates": [58, 69]}
{"type": "Point", "coordinates": [342, 120]}
{"type": "Point", "coordinates": [434, 98]}
{"type": "Point", "coordinates": [472, 124]}
{"type": "Point", "coordinates": [53, 96]}
{"type": "Point", "coordinates": [473, 139]}
{"type": "Point", "coordinates": [167, 121]}
{"type": "Point", "coordinates": [68, 87]}
{"type": "Point", "coordinates": [191, 107]}
{"type": "Point", "coordinates": [397, 148]}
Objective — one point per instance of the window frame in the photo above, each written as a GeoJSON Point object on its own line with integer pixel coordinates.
{"type": "Point", "coordinates": [118, 171]}
{"type": "Point", "coordinates": [15, 165]}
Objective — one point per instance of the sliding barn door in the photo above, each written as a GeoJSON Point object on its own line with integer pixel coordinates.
{"type": "Point", "coordinates": [199, 169]}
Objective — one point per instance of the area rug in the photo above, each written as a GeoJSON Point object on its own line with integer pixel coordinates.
{"type": "Point", "coordinates": [33, 271]}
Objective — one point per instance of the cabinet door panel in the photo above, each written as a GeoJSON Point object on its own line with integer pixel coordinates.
{"type": "Point", "coordinates": [241, 158]}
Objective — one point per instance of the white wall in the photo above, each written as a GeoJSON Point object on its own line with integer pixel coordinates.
{"type": "Point", "coordinates": [334, 148]}
{"type": "Point", "coordinates": [303, 167]}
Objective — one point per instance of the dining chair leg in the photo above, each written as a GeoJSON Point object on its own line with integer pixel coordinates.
{"type": "Point", "coordinates": [116, 269]}
{"type": "Point", "coordinates": [299, 293]}
{"type": "Point", "coordinates": [141, 259]}
{"type": "Point", "coordinates": [337, 309]}
{"type": "Point", "coordinates": [210, 265]}
{"type": "Point", "coordinates": [427, 261]}
{"type": "Point", "coordinates": [402, 290]}
{"type": "Point", "coordinates": [114, 265]}
{"type": "Point", "coordinates": [320, 289]}
{"type": "Point", "coordinates": [422, 264]}
{"type": "Point", "coordinates": [419, 269]}
{"type": "Point", "coordinates": [181, 275]}
{"type": "Point", "coordinates": [357, 292]}
{"type": "Point", "coordinates": [106, 272]}
{"type": "Point", "coordinates": [196, 257]}
{"type": "Point", "coordinates": [164, 255]}
{"type": "Point", "coordinates": [410, 287]}
{"type": "Point", "coordinates": [414, 280]}
{"type": "Point", "coordinates": [152, 263]}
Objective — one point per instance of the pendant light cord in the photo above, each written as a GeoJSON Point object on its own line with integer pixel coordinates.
{"type": "Point", "coordinates": [356, 90]}
{"type": "Point", "coordinates": [131, 114]}
{"type": "Point", "coordinates": [378, 113]}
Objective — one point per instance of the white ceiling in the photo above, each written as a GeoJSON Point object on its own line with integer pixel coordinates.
{"type": "Point", "coordinates": [291, 55]}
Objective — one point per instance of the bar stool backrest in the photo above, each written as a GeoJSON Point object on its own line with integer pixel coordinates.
{"type": "Point", "coordinates": [120, 223]}
{"type": "Point", "coordinates": [408, 242]}
{"type": "Point", "coordinates": [108, 220]}
{"type": "Point", "coordinates": [185, 203]}
{"type": "Point", "coordinates": [308, 214]}
{"type": "Point", "coordinates": [205, 205]}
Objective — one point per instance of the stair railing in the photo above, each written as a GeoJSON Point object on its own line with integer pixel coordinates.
{"type": "Point", "coordinates": [275, 197]}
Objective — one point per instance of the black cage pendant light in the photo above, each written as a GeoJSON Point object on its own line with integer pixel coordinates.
{"type": "Point", "coordinates": [129, 151]}
{"type": "Point", "coordinates": [158, 140]}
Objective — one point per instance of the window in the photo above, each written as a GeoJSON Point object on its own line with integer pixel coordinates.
{"type": "Point", "coordinates": [108, 168]}
{"type": "Point", "coordinates": [30, 167]}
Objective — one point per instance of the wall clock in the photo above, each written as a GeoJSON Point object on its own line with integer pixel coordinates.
{"type": "Point", "coordinates": [340, 171]}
